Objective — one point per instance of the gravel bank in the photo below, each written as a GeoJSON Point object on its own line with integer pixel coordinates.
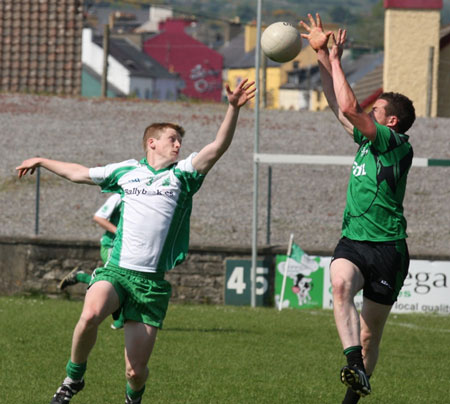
{"type": "Point", "coordinates": [306, 200]}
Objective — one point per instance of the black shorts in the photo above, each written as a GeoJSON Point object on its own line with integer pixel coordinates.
{"type": "Point", "coordinates": [384, 266]}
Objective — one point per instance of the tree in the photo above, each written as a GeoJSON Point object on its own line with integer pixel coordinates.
{"type": "Point", "coordinates": [342, 15]}
{"type": "Point", "coordinates": [369, 29]}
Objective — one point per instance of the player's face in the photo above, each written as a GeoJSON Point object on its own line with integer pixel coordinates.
{"type": "Point", "coordinates": [169, 143]}
{"type": "Point", "coordinates": [378, 112]}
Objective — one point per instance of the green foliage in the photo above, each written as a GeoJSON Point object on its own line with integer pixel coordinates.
{"type": "Point", "coordinates": [368, 30]}
{"type": "Point", "coordinates": [342, 15]}
{"type": "Point", "coordinates": [220, 354]}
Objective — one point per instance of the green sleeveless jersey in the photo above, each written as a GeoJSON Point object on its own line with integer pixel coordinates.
{"type": "Point", "coordinates": [374, 209]}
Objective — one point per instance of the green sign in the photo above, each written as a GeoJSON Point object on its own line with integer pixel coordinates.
{"type": "Point", "coordinates": [238, 283]}
{"type": "Point", "coordinates": [304, 281]}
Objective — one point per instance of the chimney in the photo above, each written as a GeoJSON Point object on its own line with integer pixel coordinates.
{"type": "Point", "coordinates": [411, 51]}
{"type": "Point", "coordinates": [232, 29]}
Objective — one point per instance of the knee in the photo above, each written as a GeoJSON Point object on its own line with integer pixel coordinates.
{"type": "Point", "coordinates": [136, 374]}
{"type": "Point", "coordinates": [89, 319]}
{"type": "Point", "coordinates": [341, 289]}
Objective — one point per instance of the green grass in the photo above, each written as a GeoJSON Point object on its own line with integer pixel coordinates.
{"type": "Point", "coordinates": [221, 354]}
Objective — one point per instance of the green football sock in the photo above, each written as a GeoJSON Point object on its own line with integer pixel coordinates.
{"type": "Point", "coordinates": [83, 277]}
{"type": "Point", "coordinates": [134, 394]}
{"type": "Point", "coordinates": [76, 370]}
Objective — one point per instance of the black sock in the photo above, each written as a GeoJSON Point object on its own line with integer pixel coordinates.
{"type": "Point", "coordinates": [354, 356]}
{"type": "Point", "coordinates": [351, 397]}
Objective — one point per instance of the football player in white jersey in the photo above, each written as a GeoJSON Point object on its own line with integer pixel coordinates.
{"type": "Point", "coordinates": [156, 205]}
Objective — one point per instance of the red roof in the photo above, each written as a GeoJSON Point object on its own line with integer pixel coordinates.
{"type": "Point", "coordinates": [199, 66]}
{"type": "Point", "coordinates": [414, 4]}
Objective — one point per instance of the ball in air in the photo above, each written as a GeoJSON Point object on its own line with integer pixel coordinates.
{"type": "Point", "coordinates": [281, 42]}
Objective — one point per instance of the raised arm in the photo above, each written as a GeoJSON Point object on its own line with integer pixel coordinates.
{"type": "Point", "coordinates": [345, 96]}
{"type": "Point", "coordinates": [318, 40]}
{"type": "Point", "coordinates": [70, 171]}
{"type": "Point", "coordinates": [208, 156]}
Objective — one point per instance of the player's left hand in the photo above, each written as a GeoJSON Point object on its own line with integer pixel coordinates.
{"type": "Point", "coordinates": [29, 165]}
{"type": "Point", "coordinates": [317, 37]}
{"type": "Point", "coordinates": [242, 93]}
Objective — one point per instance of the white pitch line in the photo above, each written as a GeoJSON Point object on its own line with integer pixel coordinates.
{"type": "Point", "coordinates": [416, 327]}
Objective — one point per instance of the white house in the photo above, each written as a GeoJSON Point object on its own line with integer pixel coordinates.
{"type": "Point", "coordinates": [131, 72]}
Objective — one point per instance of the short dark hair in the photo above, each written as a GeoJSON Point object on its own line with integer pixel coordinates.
{"type": "Point", "coordinates": [402, 107]}
{"type": "Point", "coordinates": [154, 130]}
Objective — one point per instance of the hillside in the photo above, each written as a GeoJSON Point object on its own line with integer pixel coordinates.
{"type": "Point", "coordinates": [272, 10]}
{"type": "Point", "coordinates": [364, 19]}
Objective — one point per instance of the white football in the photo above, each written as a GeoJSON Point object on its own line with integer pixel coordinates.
{"type": "Point", "coordinates": [281, 42]}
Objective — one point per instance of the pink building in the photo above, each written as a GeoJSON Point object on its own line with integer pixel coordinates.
{"type": "Point", "coordinates": [198, 66]}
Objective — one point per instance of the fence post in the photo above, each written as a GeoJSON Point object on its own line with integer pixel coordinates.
{"type": "Point", "coordinates": [269, 203]}
{"type": "Point", "coordinates": [36, 219]}
{"type": "Point", "coordinates": [105, 61]}
{"type": "Point", "coordinates": [430, 81]}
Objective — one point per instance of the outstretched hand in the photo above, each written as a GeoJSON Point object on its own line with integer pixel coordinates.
{"type": "Point", "coordinates": [317, 37]}
{"type": "Point", "coordinates": [242, 93]}
{"type": "Point", "coordinates": [29, 165]}
{"type": "Point", "coordinates": [338, 44]}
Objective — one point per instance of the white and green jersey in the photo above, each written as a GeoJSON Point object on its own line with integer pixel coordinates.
{"type": "Point", "coordinates": [110, 211]}
{"type": "Point", "coordinates": [153, 231]}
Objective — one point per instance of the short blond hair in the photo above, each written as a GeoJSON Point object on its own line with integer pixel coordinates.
{"type": "Point", "coordinates": [154, 130]}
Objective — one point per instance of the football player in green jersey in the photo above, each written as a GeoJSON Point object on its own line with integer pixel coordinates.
{"type": "Point", "coordinates": [372, 254]}
{"type": "Point", "coordinates": [107, 217]}
{"type": "Point", "coordinates": [152, 237]}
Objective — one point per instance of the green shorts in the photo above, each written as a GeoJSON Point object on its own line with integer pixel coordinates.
{"type": "Point", "coordinates": [144, 296]}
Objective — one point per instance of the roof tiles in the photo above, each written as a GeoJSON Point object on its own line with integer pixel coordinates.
{"type": "Point", "coordinates": [40, 46]}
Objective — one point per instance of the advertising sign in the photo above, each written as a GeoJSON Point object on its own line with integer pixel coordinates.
{"type": "Point", "coordinates": [304, 282]}
{"type": "Point", "coordinates": [426, 288]}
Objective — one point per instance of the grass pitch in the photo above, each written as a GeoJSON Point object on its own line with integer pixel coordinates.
{"type": "Point", "coordinates": [221, 354]}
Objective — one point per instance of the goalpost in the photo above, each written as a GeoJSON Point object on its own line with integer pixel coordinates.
{"type": "Point", "coordinates": [307, 159]}
{"type": "Point", "coordinates": [334, 160]}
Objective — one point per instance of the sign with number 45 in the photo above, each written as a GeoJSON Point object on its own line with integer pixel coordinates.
{"type": "Point", "coordinates": [238, 283]}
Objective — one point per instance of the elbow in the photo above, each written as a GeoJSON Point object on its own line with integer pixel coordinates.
{"type": "Point", "coordinates": [351, 114]}
{"type": "Point", "coordinates": [348, 110]}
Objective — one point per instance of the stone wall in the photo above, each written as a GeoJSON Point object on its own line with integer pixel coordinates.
{"type": "Point", "coordinates": [36, 265]}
